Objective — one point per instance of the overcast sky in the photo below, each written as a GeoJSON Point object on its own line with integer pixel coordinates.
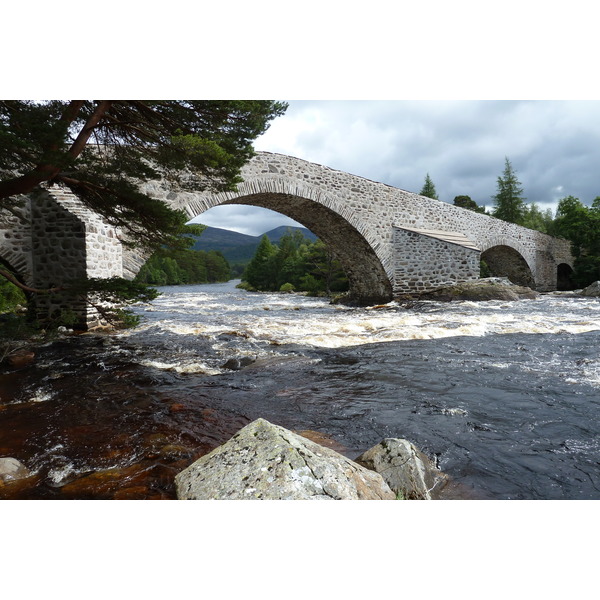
{"type": "Point", "coordinates": [554, 147]}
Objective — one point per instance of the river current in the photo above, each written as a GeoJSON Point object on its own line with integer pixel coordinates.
{"type": "Point", "coordinates": [503, 396]}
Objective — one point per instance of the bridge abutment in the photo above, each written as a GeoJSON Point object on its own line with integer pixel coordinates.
{"type": "Point", "coordinates": [427, 259]}
{"type": "Point", "coordinates": [70, 244]}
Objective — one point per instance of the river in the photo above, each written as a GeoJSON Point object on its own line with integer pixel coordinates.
{"type": "Point", "coordinates": [503, 396]}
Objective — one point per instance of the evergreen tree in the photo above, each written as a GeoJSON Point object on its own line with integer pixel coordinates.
{"type": "Point", "coordinates": [261, 270]}
{"type": "Point", "coordinates": [184, 266]}
{"type": "Point", "coordinates": [429, 189]}
{"type": "Point", "coordinates": [101, 148]}
{"type": "Point", "coordinates": [534, 218]}
{"type": "Point", "coordinates": [468, 203]}
{"type": "Point", "coordinates": [296, 263]}
{"type": "Point", "coordinates": [509, 201]}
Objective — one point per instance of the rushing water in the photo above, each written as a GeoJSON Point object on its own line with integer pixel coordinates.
{"type": "Point", "coordinates": [504, 396]}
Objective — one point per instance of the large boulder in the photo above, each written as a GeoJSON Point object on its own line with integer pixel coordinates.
{"type": "Point", "coordinates": [592, 290]}
{"type": "Point", "coordinates": [12, 469]}
{"type": "Point", "coordinates": [489, 288]}
{"type": "Point", "coordinates": [407, 471]}
{"type": "Point", "coordinates": [267, 462]}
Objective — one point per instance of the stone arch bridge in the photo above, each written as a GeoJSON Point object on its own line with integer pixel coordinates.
{"type": "Point", "coordinates": [389, 241]}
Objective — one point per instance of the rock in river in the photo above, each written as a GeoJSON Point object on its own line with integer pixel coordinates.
{"type": "Point", "coordinates": [267, 462]}
{"type": "Point", "coordinates": [408, 472]}
{"type": "Point", "coordinates": [12, 469]}
{"type": "Point", "coordinates": [592, 290]}
{"type": "Point", "coordinates": [490, 288]}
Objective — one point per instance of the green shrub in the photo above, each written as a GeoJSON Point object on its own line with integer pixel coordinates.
{"type": "Point", "coordinates": [287, 287]}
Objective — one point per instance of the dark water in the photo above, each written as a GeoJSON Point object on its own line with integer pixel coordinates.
{"type": "Point", "coordinates": [504, 396]}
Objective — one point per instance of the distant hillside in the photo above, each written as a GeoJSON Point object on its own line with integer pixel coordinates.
{"type": "Point", "coordinates": [276, 234]}
{"type": "Point", "coordinates": [239, 248]}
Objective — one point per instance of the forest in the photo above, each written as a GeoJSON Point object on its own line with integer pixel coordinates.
{"type": "Point", "coordinates": [294, 264]}
{"type": "Point", "coordinates": [184, 266]}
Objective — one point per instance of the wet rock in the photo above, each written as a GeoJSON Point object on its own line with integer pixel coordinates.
{"type": "Point", "coordinates": [267, 462]}
{"type": "Point", "coordinates": [175, 451]}
{"type": "Point", "coordinates": [105, 483]}
{"type": "Point", "coordinates": [139, 492]}
{"type": "Point", "coordinates": [20, 359]}
{"type": "Point", "coordinates": [235, 364]}
{"type": "Point", "coordinates": [407, 471]}
{"type": "Point", "coordinates": [491, 288]}
{"type": "Point", "coordinates": [592, 290]}
{"type": "Point", "coordinates": [12, 469]}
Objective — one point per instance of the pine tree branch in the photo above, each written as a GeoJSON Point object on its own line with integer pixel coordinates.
{"type": "Point", "coordinates": [26, 288]}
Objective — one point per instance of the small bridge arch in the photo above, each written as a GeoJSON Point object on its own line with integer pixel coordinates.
{"type": "Point", "coordinates": [508, 258]}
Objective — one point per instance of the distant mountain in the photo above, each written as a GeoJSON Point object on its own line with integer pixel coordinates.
{"type": "Point", "coordinates": [276, 234]}
{"type": "Point", "coordinates": [239, 248]}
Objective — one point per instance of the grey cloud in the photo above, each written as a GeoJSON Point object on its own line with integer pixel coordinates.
{"type": "Point", "coordinates": [462, 145]}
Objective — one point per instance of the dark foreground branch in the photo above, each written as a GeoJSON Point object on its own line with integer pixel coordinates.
{"type": "Point", "coordinates": [26, 288]}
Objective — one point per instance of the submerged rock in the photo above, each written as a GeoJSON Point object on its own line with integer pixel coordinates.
{"type": "Point", "coordinates": [408, 472]}
{"type": "Point", "coordinates": [267, 462]}
{"type": "Point", "coordinates": [20, 359]}
{"type": "Point", "coordinates": [491, 288]}
{"type": "Point", "coordinates": [235, 364]}
{"type": "Point", "coordinates": [12, 469]}
{"type": "Point", "coordinates": [592, 290]}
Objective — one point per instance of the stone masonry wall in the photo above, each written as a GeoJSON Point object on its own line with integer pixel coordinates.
{"type": "Point", "coordinates": [15, 240]}
{"type": "Point", "coordinates": [424, 263]}
{"type": "Point", "coordinates": [70, 242]}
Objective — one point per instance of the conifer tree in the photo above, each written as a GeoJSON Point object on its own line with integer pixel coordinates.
{"type": "Point", "coordinates": [429, 189]}
{"type": "Point", "coordinates": [260, 272]}
{"type": "Point", "coordinates": [103, 149]}
{"type": "Point", "coordinates": [509, 201]}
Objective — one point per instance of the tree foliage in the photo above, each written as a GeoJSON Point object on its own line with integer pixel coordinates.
{"type": "Point", "coordinates": [101, 149]}
{"type": "Point", "coordinates": [509, 201]}
{"type": "Point", "coordinates": [581, 225]}
{"type": "Point", "coordinates": [10, 296]}
{"type": "Point", "coordinates": [184, 266]}
{"type": "Point", "coordinates": [468, 203]}
{"type": "Point", "coordinates": [537, 219]}
{"type": "Point", "coordinates": [294, 264]}
{"type": "Point", "coordinates": [428, 188]}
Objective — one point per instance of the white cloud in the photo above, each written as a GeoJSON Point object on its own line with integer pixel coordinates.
{"type": "Point", "coordinates": [251, 220]}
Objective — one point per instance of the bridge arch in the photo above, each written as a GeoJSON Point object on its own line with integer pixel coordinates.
{"type": "Point", "coordinates": [349, 238]}
{"type": "Point", "coordinates": [508, 258]}
{"type": "Point", "coordinates": [16, 263]}
{"type": "Point", "coordinates": [564, 274]}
